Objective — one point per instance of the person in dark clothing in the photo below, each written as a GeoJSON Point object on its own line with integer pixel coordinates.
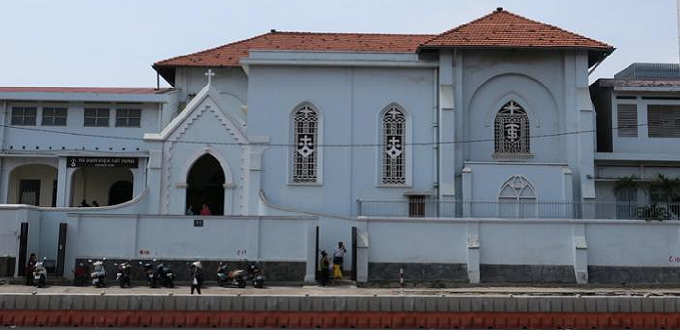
{"type": "Point", "coordinates": [30, 267]}
{"type": "Point", "coordinates": [324, 264]}
{"type": "Point", "coordinates": [197, 276]}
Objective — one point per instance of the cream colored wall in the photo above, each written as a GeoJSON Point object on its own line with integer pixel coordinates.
{"type": "Point", "coordinates": [92, 183]}
{"type": "Point", "coordinates": [45, 173]}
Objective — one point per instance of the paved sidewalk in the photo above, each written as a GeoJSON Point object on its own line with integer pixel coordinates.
{"type": "Point", "coordinates": [349, 290]}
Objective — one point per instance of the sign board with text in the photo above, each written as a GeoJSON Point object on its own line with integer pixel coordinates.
{"type": "Point", "coordinates": [126, 162]}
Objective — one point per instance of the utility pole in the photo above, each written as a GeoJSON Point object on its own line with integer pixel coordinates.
{"type": "Point", "coordinates": [677, 7]}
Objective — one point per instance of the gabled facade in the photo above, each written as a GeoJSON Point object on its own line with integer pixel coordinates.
{"type": "Point", "coordinates": [491, 119]}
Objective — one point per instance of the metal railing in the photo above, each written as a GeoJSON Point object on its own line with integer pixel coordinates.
{"type": "Point", "coordinates": [518, 210]}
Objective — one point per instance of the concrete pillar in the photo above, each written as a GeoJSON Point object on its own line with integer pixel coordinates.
{"type": "Point", "coordinates": [255, 169]}
{"type": "Point", "coordinates": [446, 90]}
{"type": "Point", "coordinates": [154, 180]}
{"type": "Point", "coordinates": [362, 250]}
{"type": "Point", "coordinates": [62, 183]}
{"type": "Point", "coordinates": [139, 178]}
{"type": "Point", "coordinates": [310, 269]}
{"type": "Point", "coordinates": [467, 191]}
{"type": "Point", "coordinates": [580, 253]}
{"type": "Point", "coordinates": [473, 253]}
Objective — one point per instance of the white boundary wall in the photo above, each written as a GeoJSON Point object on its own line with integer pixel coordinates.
{"type": "Point", "coordinates": [106, 232]}
{"type": "Point", "coordinates": [575, 243]}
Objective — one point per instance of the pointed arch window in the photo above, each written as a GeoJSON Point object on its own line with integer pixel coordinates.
{"type": "Point", "coordinates": [393, 150]}
{"type": "Point", "coordinates": [517, 198]}
{"type": "Point", "coordinates": [511, 131]}
{"type": "Point", "coordinates": [305, 139]}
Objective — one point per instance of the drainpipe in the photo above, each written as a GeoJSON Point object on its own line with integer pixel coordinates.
{"type": "Point", "coordinates": [437, 148]}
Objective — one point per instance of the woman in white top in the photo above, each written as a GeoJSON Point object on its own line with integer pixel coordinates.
{"type": "Point", "coordinates": [339, 255]}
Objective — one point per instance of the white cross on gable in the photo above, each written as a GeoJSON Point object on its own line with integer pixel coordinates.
{"type": "Point", "coordinates": [209, 74]}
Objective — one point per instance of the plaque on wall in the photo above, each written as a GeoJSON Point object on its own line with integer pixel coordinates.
{"type": "Point", "coordinates": [126, 162]}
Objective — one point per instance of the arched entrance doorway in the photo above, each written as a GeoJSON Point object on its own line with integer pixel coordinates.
{"type": "Point", "coordinates": [33, 184]}
{"type": "Point", "coordinates": [205, 185]}
{"type": "Point", "coordinates": [94, 184]}
{"type": "Point", "coordinates": [120, 192]}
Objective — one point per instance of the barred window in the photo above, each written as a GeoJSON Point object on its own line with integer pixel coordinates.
{"type": "Point", "coordinates": [663, 121]}
{"type": "Point", "coordinates": [128, 117]}
{"type": "Point", "coordinates": [52, 116]}
{"type": "Point", "coordinates": [393, 151]}
{"type": "Point", "coordinates": [305, 137]}
{"type": "Point", "coordinates": [511, 130]}
{"type": "Point", "coordinates": [23, 116]}
{"type": "Point", "coordinates": [96, 117]}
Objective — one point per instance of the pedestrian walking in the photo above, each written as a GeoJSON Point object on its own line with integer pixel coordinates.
{"type": "Point", "coordinates": [196, 277]}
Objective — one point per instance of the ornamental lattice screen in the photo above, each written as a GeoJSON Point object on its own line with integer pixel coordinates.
{"type": "Point", "coordinates": [306, 129]}
{"type": "Point", "coordinates": [511, 130]}
{"type": "Point", "coordinates": [394, 153]}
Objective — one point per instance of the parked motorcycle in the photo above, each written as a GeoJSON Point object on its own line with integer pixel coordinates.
{"type": "Point", "coordinates": [158, 274]}
{"type": "Point", "coordinates": [123, 274]}
{"type": "Point", "coordinates": [165, 275]}
{"type": "Point", "coordinates": [40, 274]}
{"type": "Point", "coordinates": [98, 274]}
{"type": "Point", "coordinates": [255, 275]}
{"type": "Point", "coordinates": [149, 274]}
{"type": "Point", "coordinates": [234, 277]}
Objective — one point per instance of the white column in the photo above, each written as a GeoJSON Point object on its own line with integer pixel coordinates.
{"type": "Point", "coordinates": [139, 178]}
{"type": "Point", "coordinates": [62, 183]}
{"type": "Point", "coordinates": [310, 270]}
{"type": "Point", "coordinates": [467, 191]}
{"type": "Point", "coordinates": [473, 253]}
{"type": "Point", "coordinates": [447, 175]}
{"type": "Point", "coordinates": [154, 180]}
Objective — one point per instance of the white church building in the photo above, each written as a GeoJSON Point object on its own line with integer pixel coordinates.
{"type": "Point", "coordinates": [468, 155]}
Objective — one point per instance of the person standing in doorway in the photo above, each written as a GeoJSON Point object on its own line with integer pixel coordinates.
{"type": "Point", "coordinates": [30, 267]}
{"type": "Point", "coordinates": [339, 255]}
{"type": "Point", "coordinates": [205, 210]}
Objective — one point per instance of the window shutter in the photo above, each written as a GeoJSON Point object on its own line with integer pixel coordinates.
{"type": "Point", "coordinates": [655, 121]}
{"type": "Point", "coordinates": [663, 121]}
{"type": "Point", "coordinates": [627, 120]}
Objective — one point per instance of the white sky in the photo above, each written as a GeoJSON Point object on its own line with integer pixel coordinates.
{"type": "Point", "coordinates": [114, 43]}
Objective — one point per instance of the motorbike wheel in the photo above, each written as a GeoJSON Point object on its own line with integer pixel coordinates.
{"type": "Point", "coordinates": [121, 283]}
{"type": "Point", "coordinates": [171, 284]}
{"type": "Point", "coordinates": [41, 281]}
{"type": "Point", "coordinates": [258, 284]}
{"type": "Point", "coordinates": [240, 282]}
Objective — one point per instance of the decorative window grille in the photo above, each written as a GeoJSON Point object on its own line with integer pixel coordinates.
{"type": "Point", "coordinates": [23, 116]}
{"type": "Point", "coordinates": [511, 130]}
{"type": "Point", "coordinates": [663, 121]}
{"type": "Point", "coordinates": [626, 115]}
{"type": "Point", "coordinates": [305, 159]}
{"type": "Point", "coordinates": [52, 116]}
{"type": "Point", "coordinates": [394, 152]}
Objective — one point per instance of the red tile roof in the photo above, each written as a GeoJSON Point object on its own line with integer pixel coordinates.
{"type": "Point", "coordinates": [99, 90]}
{"type": "Point", "coordinates": [505, 29]}
{"type": "Point", "coordinates": [500, 29]}
{"type": "Point", "coordinates": [230, 54]}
